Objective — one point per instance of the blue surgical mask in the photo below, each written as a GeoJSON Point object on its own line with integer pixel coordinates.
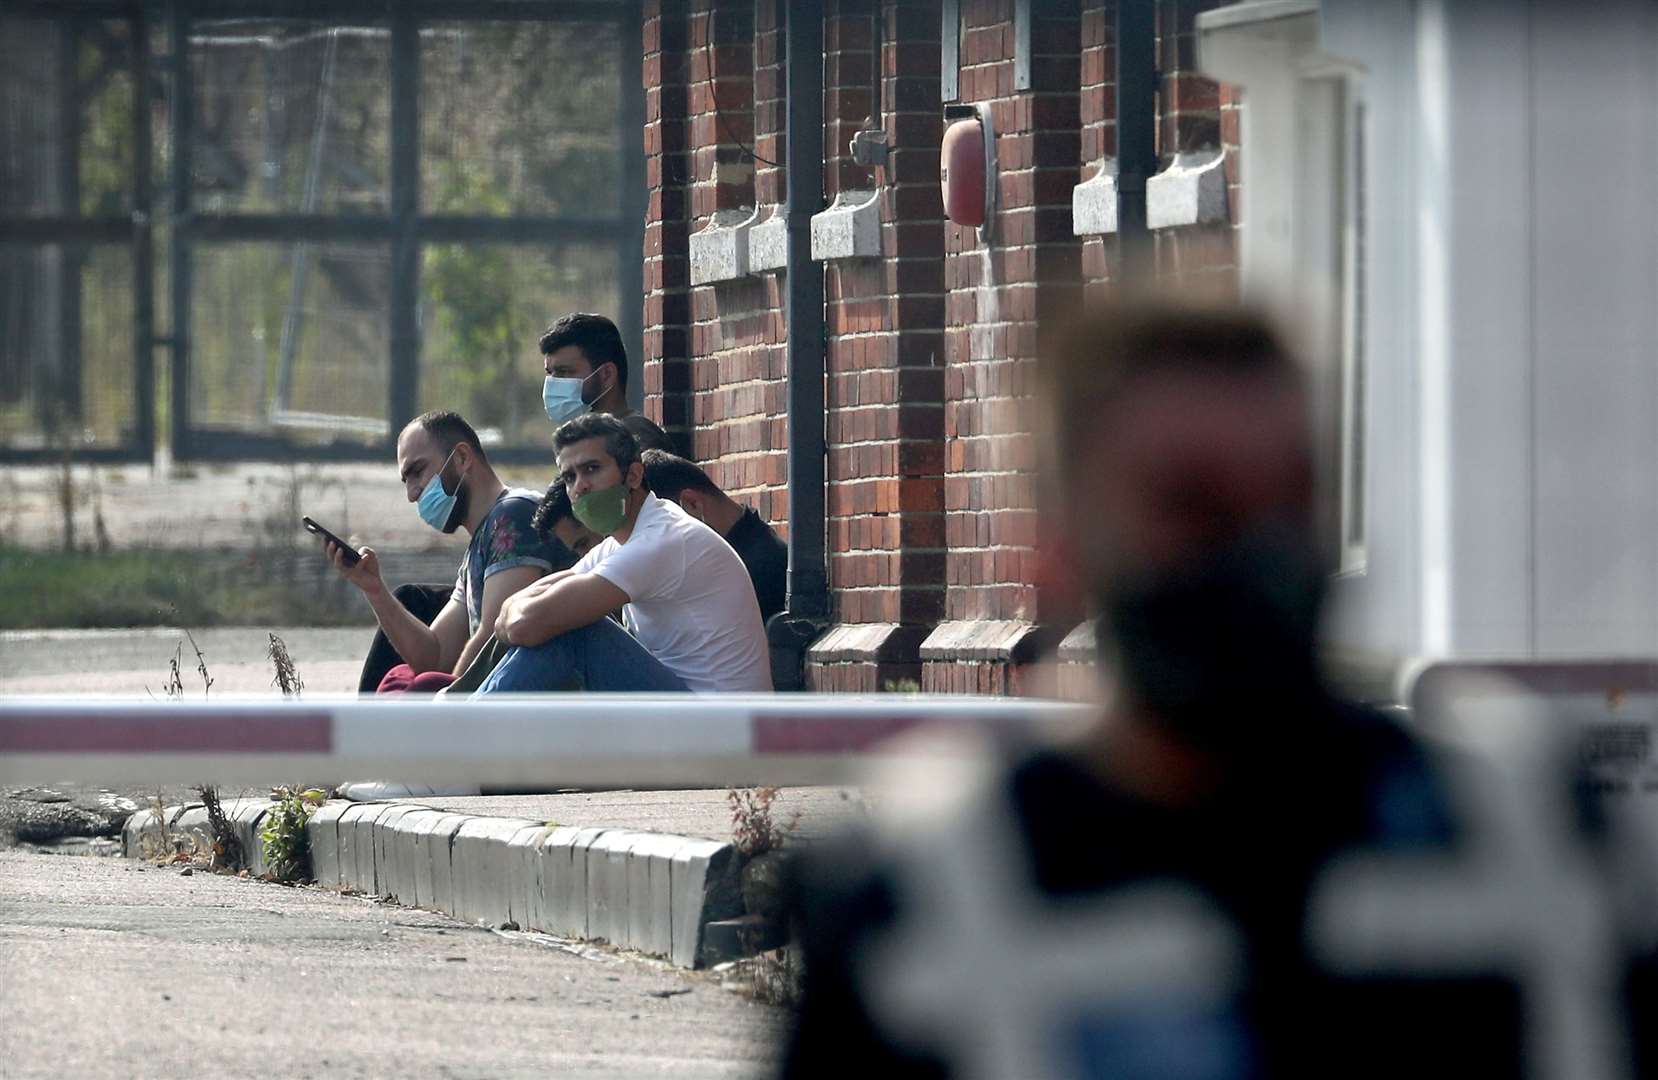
{"type": "Point", "coordinates": [436, 506]}
{"type": "Point", "coordinates": [562, 398]}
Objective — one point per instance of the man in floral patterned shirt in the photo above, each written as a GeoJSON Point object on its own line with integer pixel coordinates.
{"type": "Point", "coordinates": [450, 481]}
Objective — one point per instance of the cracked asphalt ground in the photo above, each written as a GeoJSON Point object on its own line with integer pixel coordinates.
{"type": "Point", "coordinates": [111, 968]}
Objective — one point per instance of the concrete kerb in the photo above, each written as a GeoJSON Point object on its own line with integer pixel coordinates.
{"type": "Point", "coordinates": [563, 884]}
{"type": "Point", "coordinates": [439, 844]}
{"type": "Point", "coordinates": [247, 817]}
{"type": "Point", "coordinates": [505, 892]}
{"type": "Point", "coordinates": [482, 889]}
{"type": "Point", "coordinates": [703, 887]}
{"type": "Point", "coordinates": [323, 837]}
{"type": "Point", "coordinates": [647, 891]}
{"type": "Point", "coordinates": [356, 827]}
{"type": "Point", "coordinates": [143, 823]}
{"type": "Point", "coordinates": [190, 819]}
{"type": "Point", "coordinates": [411, 866]}
{"type": "Point", "coordinates": [388, 881]}
{"type": "Point", "coordinates": [607, 887]}
{"type": "Point", "coordinates": [529, 888]}
{"type": "Point", "coordinates": [346, 828]}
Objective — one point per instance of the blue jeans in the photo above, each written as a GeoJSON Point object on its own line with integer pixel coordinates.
{"type": "Point", "coordinates": [600, 656]}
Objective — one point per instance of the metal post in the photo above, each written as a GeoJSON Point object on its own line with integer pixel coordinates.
{"type": "Point", "coordinates": [63, 390]}
{"type": "Point", "coordinates": [402, 402]}
{"type": "Point", "coordinates": [807, 606]}
{"type": "Point", "coordinates": [808, 579]}
{"type": "Point", "coordinates": [178, 183]}
{"type": "Point", "coordinates": [1136, 130]}
{"type": "Point", "coordinates": [293, 320]}
{"type": "Point", "coordinates": [143, 244]}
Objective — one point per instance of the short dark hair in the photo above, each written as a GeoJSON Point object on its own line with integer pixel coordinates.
{"type": "Point", "coordinates": [619, 442]}
{"type": "Point", "coordinates": [596, 337]}
{"type": "Point", "coordinates": [667, 475]}
{"type": "Point", "coordinates": [1097, 359]}
{"type": "Point", "coordinates": [554, 508]}
{"type": "Point", "coordinates": [449, 429]}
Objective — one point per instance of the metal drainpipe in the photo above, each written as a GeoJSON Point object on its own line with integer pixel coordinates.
{"type": "Point", "coordinates": [1137, 84]}
{"type": "Point", "coordinates": [806, 611]}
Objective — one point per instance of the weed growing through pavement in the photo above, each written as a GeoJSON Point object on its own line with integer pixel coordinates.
{"type": "Point", "coordinates": [158, 848]}
{"type": "Point", "coordinates": [775, 977]}
{"type": "Point", "coordinates": [201, 665]}
{"type": "Point", "coordinates": [753, 829]}
{"type": "Point", "coordinates": [226, 850]}
{"type": "Point", "coordinates": [65, 485]}
{"type": "Point", "coordinates": [283, 840]}
{"type": "Point", "coordinates": [287, 677]}
{"type": "Point", "coordinates": [174, 687]}
{"type": "Point", "coordinates": [286, 846]}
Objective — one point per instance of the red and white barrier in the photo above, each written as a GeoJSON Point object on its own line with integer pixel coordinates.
{"type": "Point", "coordinates": [565, 740]}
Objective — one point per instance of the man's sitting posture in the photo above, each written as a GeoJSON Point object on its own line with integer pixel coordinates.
{"type": "Point", "coordinates": [695, 622]}
{"type": "Point", "coordinates": [669, 476]}
{"type": "Point", "coordinates": [447, 476]}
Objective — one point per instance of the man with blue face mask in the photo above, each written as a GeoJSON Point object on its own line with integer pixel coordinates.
{"type": "Point", "coordinates": [448, 478]}
{"type": "Point", "coordinates": [587, 371]}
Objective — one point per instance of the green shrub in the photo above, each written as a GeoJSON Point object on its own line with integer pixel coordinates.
{"type": "Point", "coordinates": [283, 839]}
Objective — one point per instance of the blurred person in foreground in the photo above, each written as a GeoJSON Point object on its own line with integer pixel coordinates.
{"type": "Point", "coordinates": [764, 554]}
{"type": "Point", "coordinates": [1232, 873]}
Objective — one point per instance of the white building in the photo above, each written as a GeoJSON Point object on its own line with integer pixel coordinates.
{"type": "Point", "coordinates": [1477, 179]}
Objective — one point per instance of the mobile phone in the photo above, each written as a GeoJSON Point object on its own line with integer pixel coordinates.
{"type": "Point", "coordinates": [349, 553]}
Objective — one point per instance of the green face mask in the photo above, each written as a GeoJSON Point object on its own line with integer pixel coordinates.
{"type": "Point", "coordinates": [604, 510]}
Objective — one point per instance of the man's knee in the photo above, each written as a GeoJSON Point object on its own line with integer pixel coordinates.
{"type": "Point", "coordinates": [397, 680]}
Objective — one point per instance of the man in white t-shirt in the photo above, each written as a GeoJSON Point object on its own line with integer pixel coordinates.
{"type": "Point", "coordinates": [686, 596]}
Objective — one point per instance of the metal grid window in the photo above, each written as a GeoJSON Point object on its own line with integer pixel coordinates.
{"type": "Point", "coordinates": [366, 210]}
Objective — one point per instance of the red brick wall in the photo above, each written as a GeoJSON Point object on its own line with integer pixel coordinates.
{"type": "Point", "coordinates": [932, 521]}
{"type": "Point", "coordinates": [770, 106]}
{"type": "Point", "coordinates": [737, 366]}
{"type": "Point", "coordinates": [1098, 115]}
{"type": "Point", "coordinates": [1191, 109]}
{"type": "Point", "coordinates": [667, 138]}
{"type": "Point", "coordinates": [998, 292]}
{"type": "Point", "coordinates": [886, 348]}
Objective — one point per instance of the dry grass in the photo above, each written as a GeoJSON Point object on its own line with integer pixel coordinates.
{"type": "Point", "coordinates": [753, 829]}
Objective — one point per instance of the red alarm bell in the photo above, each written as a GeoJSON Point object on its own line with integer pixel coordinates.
{"type": "Point", "coordinates": [967, 167]}
{"type": "Point", "coordinates": [961, 172]}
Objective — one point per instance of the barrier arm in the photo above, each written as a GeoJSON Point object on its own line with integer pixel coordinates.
{"type": "Point", "coordinates": [574, 740]}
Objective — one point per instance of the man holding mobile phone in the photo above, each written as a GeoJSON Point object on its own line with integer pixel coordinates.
{"type": "Point", "coordinates": [449, 479]}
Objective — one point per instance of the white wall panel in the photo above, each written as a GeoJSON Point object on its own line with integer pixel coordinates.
{"type": "Point", "coordinates": [1594, 312]}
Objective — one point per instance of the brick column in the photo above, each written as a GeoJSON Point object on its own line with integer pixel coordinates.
{"type": "Point", "coordinates": [1190, 108]}
{"type": "Point", "coordinates": [667, 223]}
{"type": "Point", "coordinates": [1098, 107]}
{"type": "Point", "coordinates": [722, 105]}
{"type": "Point", "coordinates": [886, 353]}
{"type": "Point", "coordinates": [739, 397]}
{"type": "Point", "coordinates": [998, 293]}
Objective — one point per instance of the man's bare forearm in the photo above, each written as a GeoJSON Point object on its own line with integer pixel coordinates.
{"type": "Point", "coordinates": [474, 645]}
{"type": "Point", "coordinates": [568, 603]}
